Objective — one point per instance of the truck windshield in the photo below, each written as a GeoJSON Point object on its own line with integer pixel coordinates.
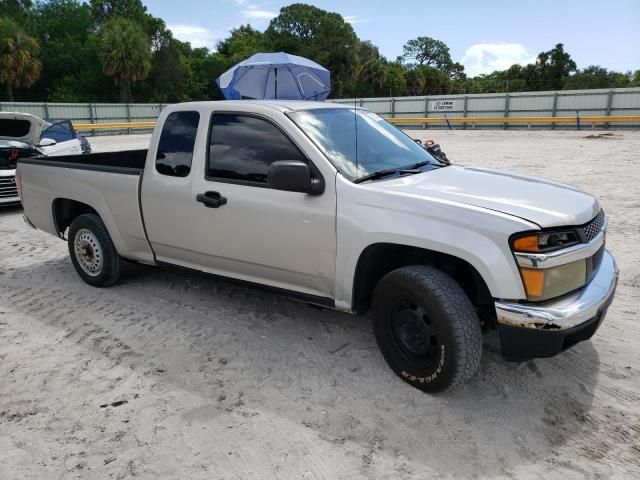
{"type": "Point", "coordinates": [359, 142]}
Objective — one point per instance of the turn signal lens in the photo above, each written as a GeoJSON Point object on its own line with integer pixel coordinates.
{"type": "Point", "coordinates": [526, 244]}
{"type": "Point", "coordinates": [545, 242]}
{"type": "Point", "coordinates": [533, 281]}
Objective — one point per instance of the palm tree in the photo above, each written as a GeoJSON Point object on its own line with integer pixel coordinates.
{"type": "Point", "coordinates": [125, 54]}
{"type": "Point", "coordinates": [19, 64]}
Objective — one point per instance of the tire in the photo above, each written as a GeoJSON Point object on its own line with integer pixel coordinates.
{"type": "Point", "coordinates": [426, 328]}
{"type": "Point", "coordinates": [100, 265]}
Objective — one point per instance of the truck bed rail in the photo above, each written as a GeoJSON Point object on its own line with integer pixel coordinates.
{"type": "Point", "coordinates": [130, 162]}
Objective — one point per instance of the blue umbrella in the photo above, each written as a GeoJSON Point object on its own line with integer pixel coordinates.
{"type": "Point", "coordinates": [275, 75]}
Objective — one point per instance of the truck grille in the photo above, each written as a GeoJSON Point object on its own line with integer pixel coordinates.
{"type": "Point", "coordinates": [8, 187]}
{"type": "Point", "coordinates": [592, 229]}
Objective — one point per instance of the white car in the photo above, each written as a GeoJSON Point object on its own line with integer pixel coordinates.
{"type": "Point", "coordinates": [26, 136]}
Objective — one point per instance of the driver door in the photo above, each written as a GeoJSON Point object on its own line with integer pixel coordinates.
{"type": "Point", "coordinates": [262, 235]}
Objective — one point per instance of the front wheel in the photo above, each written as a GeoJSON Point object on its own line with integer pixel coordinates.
{"type": "Point", "coordinates": [92, 252]}
{"type": "Point", "coordinates": [426, 328]}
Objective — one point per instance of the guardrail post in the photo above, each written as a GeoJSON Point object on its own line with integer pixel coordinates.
{"type": "Point", "coordinates": [609, 103]}
{"type": "Point", "coordinates": [426, 112]}
{"type": "Point", "coordinates": [554, 108]}
{"type": "Point", "coordinates": [92, 116]}
{"type": "Point", "coordinates": [46, 111]}
{"type": "Point", "coordinates": [393, 108]}
{"type": "Point", "coordinates": [464, 111]}
{"type": "Point", "coordinates": [506, 108]}
{"type": "Point", "coordinates": [128, 117]}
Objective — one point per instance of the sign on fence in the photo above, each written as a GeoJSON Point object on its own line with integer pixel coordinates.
{"type": "Point", "coordinates": [447, 105]}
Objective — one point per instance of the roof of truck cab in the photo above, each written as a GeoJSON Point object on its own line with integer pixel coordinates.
{"type": "Point", "coordinates": [282, 105]}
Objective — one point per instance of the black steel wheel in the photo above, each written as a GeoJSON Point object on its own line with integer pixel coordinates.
{"type": "Point", "coordinates": [426, 327]}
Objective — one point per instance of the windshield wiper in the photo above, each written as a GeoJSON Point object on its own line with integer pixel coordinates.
{"type": "Point", "coordinates": [418, 165]}
{"type": "Point", "coordinates": [384, 173]}
{"type": "Point", "coordinates": [390, 171]}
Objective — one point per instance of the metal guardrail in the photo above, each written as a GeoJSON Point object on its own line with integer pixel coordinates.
{"type": "Point", "coordinates": [615, 102]}
{"type": "Point", "coordinates": [585, 119]}
{"type": "Point", "coordinates": [415, 121]}
{"type": "Point", "coordinates": [113, 126]}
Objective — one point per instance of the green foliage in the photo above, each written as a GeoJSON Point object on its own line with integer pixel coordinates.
{"type": "Point", "coordinates": [125, 53]}
{"type": "Point", "coordinates": [429, 52]}
{"type": "Point", "coordinates": [15, 8]}
{"type": "Point", "coordinates": [396, 81]}
{"type": "Point", "coordinates": [243, 42]}
{"type": "Point", "coordinates": [321, 36]}
{"type": "Point", "coordinates": [110, 50]}
{"type": "Point", "coordinates": [19, 52]}
{"type": "Point", "coordinates": [599, 77]}
{"type": "Point", "coordinates": [69, 59]}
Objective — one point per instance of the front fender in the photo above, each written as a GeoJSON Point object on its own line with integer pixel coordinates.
{"type": "Point", "coordinates": [474, 234]}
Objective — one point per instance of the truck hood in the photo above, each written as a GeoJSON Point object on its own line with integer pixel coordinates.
{"type": "Point", "coordinates": [544, 202]}
{"type": "Point", "coordinates": [20, 127]}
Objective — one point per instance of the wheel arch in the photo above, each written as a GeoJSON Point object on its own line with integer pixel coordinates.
{"type": "Point", "coordinates": [378, 259]}
{"type": "Point", "coordinates": [66, 210]}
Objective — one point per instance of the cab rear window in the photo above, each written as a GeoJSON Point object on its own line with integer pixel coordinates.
{"type": "Point", "coordinates": [14, 128]}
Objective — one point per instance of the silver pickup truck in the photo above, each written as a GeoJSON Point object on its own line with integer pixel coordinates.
{"type": "Point", "coordinates": [335, 206]}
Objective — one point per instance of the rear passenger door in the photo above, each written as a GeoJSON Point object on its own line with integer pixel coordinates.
{"type": "Point", "coordinates": [166, 186]}
{"type": "Point", "coordinates": [280, 238]}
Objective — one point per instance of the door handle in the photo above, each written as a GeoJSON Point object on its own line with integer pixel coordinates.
{"type": "Point", "coordinates": [211, 199]}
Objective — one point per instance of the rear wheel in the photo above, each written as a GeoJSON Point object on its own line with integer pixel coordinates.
{"type": "Point", "coordinates": [426, 327]}
{"type": "Point", "coordinates": [92, 252]}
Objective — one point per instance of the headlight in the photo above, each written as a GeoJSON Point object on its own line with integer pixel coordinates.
{"type": "Point", "coordinates": [545, 241]}
{"type": "Point", "coordinates": [544, 283]}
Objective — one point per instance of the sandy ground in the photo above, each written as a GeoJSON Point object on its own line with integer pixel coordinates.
{"type": "Point", "coordinates": [224, 382]}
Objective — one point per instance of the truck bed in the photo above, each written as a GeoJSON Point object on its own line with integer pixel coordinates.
{"type": "Point", "coordinates": [126, 162]}
{"type": "Point", "coordinates": [108, 183]}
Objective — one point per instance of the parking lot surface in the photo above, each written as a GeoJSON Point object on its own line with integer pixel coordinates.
{"type": "Point", "coordinates": [176, 375]}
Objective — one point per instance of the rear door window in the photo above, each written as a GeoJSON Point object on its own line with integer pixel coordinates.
{"type": "Point", "coordinates": [177, 140]}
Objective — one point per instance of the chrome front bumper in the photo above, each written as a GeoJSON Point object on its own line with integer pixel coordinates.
{"type": "Point", "coordinates": [568, 312]}
{"type": "Point", "coordinates": [543, 330]}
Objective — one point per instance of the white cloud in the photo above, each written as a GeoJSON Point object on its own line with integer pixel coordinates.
{"type": "Point", "coordinates": [352, 19]}
{"type": "Point", "coordinates": [253, 12]}
{"type": "Point", "coordinates": [488, 57]}
{"type": "Point", "coordinates": [196, 35]}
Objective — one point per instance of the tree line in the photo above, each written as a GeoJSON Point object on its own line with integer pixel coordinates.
{"type": "Point", "coordinates": [115, 50]}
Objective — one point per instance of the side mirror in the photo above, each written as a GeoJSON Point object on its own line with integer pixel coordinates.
{"type": "Point", "coordinates": [47, 142]}
{"type": "Point", "coordinates": [293, 176]}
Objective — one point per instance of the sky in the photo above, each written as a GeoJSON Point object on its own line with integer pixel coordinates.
{"type": "Point", "coordinates": [484, 35]}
